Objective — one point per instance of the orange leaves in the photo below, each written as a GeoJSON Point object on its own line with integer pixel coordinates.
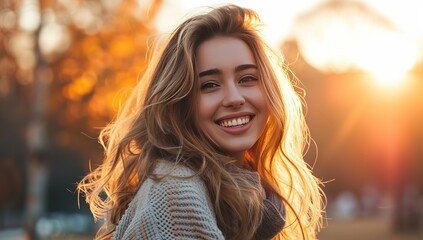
{"type": "Point", "coordinates": [99, 68]}
{"type": "Point", "coordinates": [122, 46]}
{"type": "Point", "coordinates": [90, 46]}
{"type": "Point", "coordinates": [80, 86]}
{"type": "Point", "coordinates": [69, 67]}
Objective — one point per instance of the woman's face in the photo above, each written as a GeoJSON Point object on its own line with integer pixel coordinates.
{"type": "Point", "coordinates": [232, 111]}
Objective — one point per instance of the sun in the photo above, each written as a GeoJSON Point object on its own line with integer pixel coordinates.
{"type": "Point", "coordinates": [393, 55]}
{"type": "Point", "coordinates": [349, 36]}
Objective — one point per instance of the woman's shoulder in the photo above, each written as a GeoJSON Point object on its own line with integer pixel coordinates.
{"type": "Point", "coordinates": [168, 205]}
{"type": "Point", "coordinates": [164, 169]}
{"type": "Point", "coordinates": [171, 180]}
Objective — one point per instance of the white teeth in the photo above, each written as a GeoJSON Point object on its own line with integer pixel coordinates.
{"type": "Point", "coordinates": [235, 122]}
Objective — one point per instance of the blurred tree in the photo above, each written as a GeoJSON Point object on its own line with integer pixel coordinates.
{"type": "Point", "coordinates": [62, 63]}
{"type": "Point", "coordinates": [368, 132]}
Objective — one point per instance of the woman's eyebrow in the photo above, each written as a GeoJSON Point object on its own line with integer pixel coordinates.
{"type": "Point", "coordinates": [244, 67]}
{"type": "Point", "coordinates": [209, 72]}
{"type": "Point", "coordinates": [215, 71]}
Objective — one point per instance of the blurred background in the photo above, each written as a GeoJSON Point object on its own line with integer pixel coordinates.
{"type": "Point", "coordinates": [65, 64]}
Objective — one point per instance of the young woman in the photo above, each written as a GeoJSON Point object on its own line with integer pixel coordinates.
{"type": "Point", "coordinates": [210, 144]}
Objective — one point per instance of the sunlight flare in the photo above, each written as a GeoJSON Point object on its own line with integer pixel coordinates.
{"type": "Point", "coordinates": [345, 36]}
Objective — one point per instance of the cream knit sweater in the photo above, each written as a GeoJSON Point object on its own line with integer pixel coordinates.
{"type": "Point", "coordinates": [174, 208]}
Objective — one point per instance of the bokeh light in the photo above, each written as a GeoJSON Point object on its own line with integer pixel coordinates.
{"type": "Point", "coordinates": [65, 67]}
{"type": "Point", "coordinates": [345, 36]}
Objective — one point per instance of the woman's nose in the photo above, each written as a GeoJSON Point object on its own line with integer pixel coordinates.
{"type": "Point", "coordinates": [233, 96]}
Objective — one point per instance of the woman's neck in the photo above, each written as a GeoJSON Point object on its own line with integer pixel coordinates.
{"type": "Point", "coordinates": [240, 158]}
{"type": "Point", "coordinates": [241, 161]}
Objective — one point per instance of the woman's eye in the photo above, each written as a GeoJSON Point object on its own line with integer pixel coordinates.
{"type": "Point", "coordinates": [248, 78]}
{"type": "Point", "coordinates": [208, 85]}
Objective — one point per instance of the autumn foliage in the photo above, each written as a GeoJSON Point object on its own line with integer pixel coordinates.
{"type": "Point", "coordinates": [90, 53]}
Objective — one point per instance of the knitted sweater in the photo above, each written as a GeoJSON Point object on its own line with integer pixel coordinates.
{"type": "Point", "coordinates": [180, 208]}
{"type": "Point", "coordinates": [173, 208]}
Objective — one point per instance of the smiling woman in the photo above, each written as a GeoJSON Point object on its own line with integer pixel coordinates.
{"type": "Point", "coordinates": [210, 143]}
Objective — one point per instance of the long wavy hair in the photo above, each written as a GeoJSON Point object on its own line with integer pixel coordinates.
{"type": "Point", "coordinates": [158, 121]}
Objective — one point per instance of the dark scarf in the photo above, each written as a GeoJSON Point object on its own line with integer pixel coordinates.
{"type": "Point", "coordinates": [273, 213]}
{"type": "Point", "coordinates": [273, 219]}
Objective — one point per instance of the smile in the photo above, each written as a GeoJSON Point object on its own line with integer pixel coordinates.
{"type": "Point", "coordinates": [235, 122]}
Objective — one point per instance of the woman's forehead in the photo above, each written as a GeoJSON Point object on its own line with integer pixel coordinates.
{"type": "Point", "coordinates": [221, 52]}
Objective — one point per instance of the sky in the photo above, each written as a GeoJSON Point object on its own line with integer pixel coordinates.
{"type": "Point", "coordinates": [277, 22]}
{"type": "Point", "coordinates": [279, 15]}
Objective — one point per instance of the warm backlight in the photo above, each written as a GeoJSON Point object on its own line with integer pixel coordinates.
{"type": "Point", "coordinates": [349, 36]}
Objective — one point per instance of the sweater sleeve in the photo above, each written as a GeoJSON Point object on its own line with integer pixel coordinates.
{"type": "Point", "coordinates": [182, 210]}
{"type": "Point", "coordinates": [176, 207]}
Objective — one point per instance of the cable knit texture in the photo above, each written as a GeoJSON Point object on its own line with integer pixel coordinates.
{"type": "Point", "coordinates": [173, 208]}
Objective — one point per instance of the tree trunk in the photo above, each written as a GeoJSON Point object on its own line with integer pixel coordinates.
{"type": "Point", "coordinates": [38, 146]}
{"type": "Point", "coordinates": [37, 162]}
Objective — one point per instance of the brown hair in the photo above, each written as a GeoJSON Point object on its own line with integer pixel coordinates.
{"type": "Point", "coordinates": [158, 121]}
